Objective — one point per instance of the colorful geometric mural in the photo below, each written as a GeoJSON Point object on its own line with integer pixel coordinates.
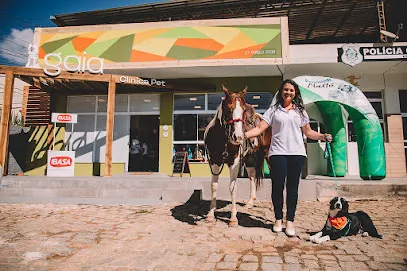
{"type": "Point", "coordinates": [163, 44]}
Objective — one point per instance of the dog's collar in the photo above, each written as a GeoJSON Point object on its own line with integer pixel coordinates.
{"type": "Point", "coordinates": [339, 223]}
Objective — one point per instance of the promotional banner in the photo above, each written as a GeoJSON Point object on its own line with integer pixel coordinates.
{"type": "Point", "coordinates": [332, 96]}
{"type": "Point", "coordinates": [60, 163]}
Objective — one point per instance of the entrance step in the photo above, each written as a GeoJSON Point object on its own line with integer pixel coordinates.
{"type": "Point", "coordinates": [156, 189]}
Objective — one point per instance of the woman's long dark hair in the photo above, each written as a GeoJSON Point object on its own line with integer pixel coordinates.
{"type": "Point", "coordinates": [297, 101]}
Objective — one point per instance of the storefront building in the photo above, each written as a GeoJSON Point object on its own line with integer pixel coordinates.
{"type": "Point", "coordinates": [169, 76]}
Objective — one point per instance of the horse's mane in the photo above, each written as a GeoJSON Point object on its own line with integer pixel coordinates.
{"type": "Point", "coordinates": [218, 116]}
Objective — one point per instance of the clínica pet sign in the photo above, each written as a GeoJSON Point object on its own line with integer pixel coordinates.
{"type": "Point", "coordinates": [61, 163]}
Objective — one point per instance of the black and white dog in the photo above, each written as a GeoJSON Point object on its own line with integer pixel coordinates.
{"type": "Point", "coordinates": [341, 223]}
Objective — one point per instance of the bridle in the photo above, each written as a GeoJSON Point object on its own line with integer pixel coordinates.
{"type": "Point", "coordinates": [232, 121]}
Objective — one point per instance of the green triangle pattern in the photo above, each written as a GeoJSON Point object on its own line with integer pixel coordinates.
{"type": "Point", "coordinates": [182, 32]}
{"type": "Point", "coordinates": [52, 46]}
{"type": "Point", "coordinates": [67, 49]}
{"type": "Point", "coordinates": [272, 49]}
{"type": "Point", "coordinates": [260, 35]}
{"type": "Point", "coordinates": [185, 53]}
{"type": "Point", "coordinates": [98, 48]}
{"type": "Point", "coordinates": [120, 51]}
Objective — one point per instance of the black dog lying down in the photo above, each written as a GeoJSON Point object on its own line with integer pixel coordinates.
{"type": "Point", "coordinates": [341, 223]}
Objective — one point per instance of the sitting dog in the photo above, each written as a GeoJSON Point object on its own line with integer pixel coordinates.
{"type": "Point", "coordinates": [341, 223]}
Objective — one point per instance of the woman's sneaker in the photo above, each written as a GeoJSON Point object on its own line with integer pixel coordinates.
{"type": "Point", "coordinates": [278, 226]}
{"type": "Point", "coordinates": [290, 230]}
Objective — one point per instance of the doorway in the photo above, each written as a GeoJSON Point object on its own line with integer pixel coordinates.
{"type": "Point", "coordinates": [144, 143]}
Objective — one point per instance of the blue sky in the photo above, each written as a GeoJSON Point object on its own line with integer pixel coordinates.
{"type": "Point", "coordinates": [18, 19]}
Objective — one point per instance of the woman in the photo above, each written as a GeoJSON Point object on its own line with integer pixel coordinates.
{"type": "Point", "coordinates": [288, 121]}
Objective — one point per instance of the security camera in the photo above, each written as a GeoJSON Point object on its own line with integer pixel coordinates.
{"type": "Point", "coordinates": [389, 34]}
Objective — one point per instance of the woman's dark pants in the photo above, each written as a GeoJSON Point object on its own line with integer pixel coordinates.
{"type": "Point", "coordinates": [285, 167]}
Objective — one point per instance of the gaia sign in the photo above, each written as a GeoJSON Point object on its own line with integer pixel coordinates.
{"type": "Point", "coordinates": [72, 63]}
{"type": "Point", "coordinates": [336, 100]}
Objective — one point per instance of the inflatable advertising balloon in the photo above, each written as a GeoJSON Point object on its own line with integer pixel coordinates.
{"type": "Point", "coordinates": [336, 100]}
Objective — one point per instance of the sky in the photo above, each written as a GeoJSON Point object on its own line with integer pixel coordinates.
{"type": "Point", "coordinates": [18, 19]}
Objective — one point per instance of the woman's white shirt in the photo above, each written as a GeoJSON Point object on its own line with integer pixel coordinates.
{"type": "Point", "coordinates": [286, 133]}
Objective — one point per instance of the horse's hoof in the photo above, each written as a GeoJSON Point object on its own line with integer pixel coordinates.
{"type": "Point", "coordinates": [233, 223]}
{"type": "Point", "coordinates": [210, 218]}
{"type": "Point", "coordinates": [249, 205]}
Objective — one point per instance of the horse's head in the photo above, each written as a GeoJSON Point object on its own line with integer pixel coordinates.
{"type": "Point", "coordinates": [233, 114]}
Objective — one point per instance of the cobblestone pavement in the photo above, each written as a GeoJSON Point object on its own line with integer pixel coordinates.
{"type": "Point", "coordinates": [177, 237]}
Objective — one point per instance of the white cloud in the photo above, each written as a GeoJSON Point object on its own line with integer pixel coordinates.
{"type": "Point", "coordinates": [14, 46]}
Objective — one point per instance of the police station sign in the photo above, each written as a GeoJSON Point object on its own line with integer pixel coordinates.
{"type": "Point", "coordinates": [353, 54]}
{"type": "Point", "coordinates": [384, 53]}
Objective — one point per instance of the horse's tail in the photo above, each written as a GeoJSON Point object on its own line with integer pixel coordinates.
{"type": "Point", "coordinates": [259, 167]}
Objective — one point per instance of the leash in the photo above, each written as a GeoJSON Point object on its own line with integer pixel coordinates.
{"type": "Point", "coordinates": [328, 154]}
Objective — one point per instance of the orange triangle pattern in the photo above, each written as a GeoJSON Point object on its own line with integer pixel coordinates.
{"type": "Point", "coordinates": [81, 43]}
{"type": "Point", "coordinates": [41, 53]}
{"type": "Point", "coordinates": [138, 56]}
{"type": "Point", "coordinates": [247, 52]}
{"type": "Point", "coordinates": [204, 44]}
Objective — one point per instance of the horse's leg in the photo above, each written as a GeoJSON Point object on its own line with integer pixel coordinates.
{"type": "Point", "coordinates": [234, 170]}
{"type": "Point", "coordinates": [214, 185]}
{"type": "Point", "coordinates": [251, 172]}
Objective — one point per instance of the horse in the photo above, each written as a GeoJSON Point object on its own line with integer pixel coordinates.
{"type": "Point", "coordinates": [225, 143]}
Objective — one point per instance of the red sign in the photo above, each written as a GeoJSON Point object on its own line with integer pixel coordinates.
{"type": "Point", "coordinates": [61, 161]}
{"type": "Point", "coordinates": [64, 117]}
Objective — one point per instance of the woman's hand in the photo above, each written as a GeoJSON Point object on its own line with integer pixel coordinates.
{"type": "Point", "coordinates": [328, 137]}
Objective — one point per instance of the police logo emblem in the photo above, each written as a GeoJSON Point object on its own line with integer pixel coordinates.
{"type": "Point", "coordinates": [351, 54]}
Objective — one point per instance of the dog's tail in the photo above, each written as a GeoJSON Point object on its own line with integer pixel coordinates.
{"type": "Point", "coordinates": [367, 224]}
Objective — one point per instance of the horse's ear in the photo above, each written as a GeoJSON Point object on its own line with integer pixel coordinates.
{"type": "Point", "coordinates": [244, 91]}
{"type": "Point", "coordinates": [225, 90]}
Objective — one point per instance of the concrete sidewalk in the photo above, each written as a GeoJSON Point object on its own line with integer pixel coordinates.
{"type": "Point", "coordinates": [177, 237]}
{"type": "Point", "coordinates": [157, 188]}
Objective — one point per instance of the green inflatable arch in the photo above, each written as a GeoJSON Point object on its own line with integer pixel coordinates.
{"type": "Point", "coordinates": [335, 100]}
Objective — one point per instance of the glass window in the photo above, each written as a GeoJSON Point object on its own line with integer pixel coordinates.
{"type": "Point", "coordinates": [196, 152]}
{"type": "Point", "coordinates": [378, 108]}
{"type": "Point", "coordinates": [120, 103]}
{"type": "Point", "coordinates": [203, 121]}
{"type": "Point", "coordinates": [189, 102]}
{"type": "Point", "coordinates": [102, 103]}
{"type": "Point", "coordinates": [82, 139]}
{"type": "Point", "coordinates": [185, 127]}
{"type": "Point", "coordinates": [260, 101]}
{"type": "Point", "coordinates": [351, 132]}
{"type": "Point", "coordinates": [314, 126]}
{"type": "Point", "coordinates": [145, 103]}
{"type": "Point", "coordinates": [405, 128]}
{"type": "Point", "coordinates": [403, 100]}
{"type": "Point", "coordinates": [81, 104]}
{"type": "Point", "coordinates": [373, 94]}
{"type": "Point", "coordinates": [214, 100]}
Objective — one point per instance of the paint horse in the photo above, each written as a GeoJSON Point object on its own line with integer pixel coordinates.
{"type": "Point", "coordinates": [225, 143]}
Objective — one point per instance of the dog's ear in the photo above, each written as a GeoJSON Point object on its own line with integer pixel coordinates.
{"type": "Point", "coordinates": [345, 205]}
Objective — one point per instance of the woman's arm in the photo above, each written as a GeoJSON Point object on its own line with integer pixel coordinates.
{"type": "Point", "coordinates": [308, 132]}
{"type": "Point", "coordinates": [260, 128]}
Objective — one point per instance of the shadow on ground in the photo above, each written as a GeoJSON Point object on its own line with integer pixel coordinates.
{"type": "Point", "coordinates": [195, 210]}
